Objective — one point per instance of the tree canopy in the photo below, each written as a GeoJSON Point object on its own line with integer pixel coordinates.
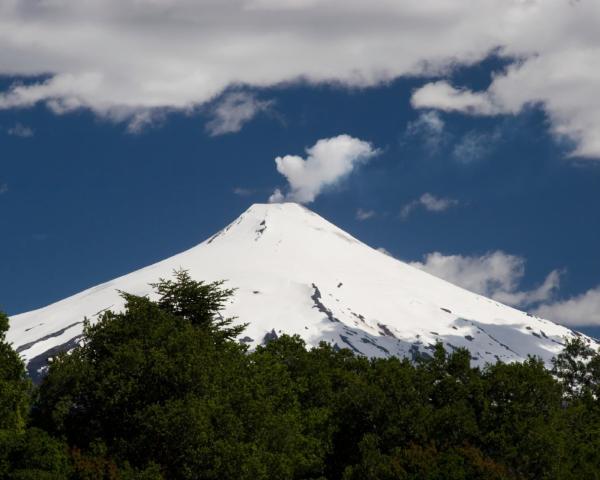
{"type": "Point", "coordinates": [162, 390]}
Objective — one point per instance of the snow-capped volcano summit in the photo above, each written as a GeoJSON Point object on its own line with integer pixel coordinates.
{"type": "Point", "coordinates": [297, 273]}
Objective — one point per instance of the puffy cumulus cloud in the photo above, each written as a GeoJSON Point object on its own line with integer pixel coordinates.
{"type": "Point", "coordinates": [327, 162]}
{"type": "Point", "coordinates": [562, 82]}
{"type": "Point", "coordinates": [120, 57]}
{"type": "Point", "coordinates": [542, 293]}
{"type": "Point", "coordinates": [233, 111]}
{"type": "Point", "coordinates": [428, 202]}
{"type": "Point", "coordinates": [582, 309]}
{"type": "Point", "coordinates": [497, 275]}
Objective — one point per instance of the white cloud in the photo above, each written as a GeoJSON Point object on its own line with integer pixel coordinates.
{"type": "Point", "coordinates": [3, 188]}
{"type": "Point", "coordinates": [429, 127]}
{"type": "Point", "coordinates": [120, 57]}
{"type": "Point", "coordinates": [280, 4]}
{"type": "Point", "coordinates": [443, 96]}
{"type": "Point", "coordinates": [496, 275]}
{"type": "Point", "coordinates": [233, 111]}
{"type": "Point", "coordinates": [328, 162]}
{"type": "Point", "coordinates": [562, 82]}
{"type": "Point", "coordinates": [20, 130]}
{"type": "Point", "coordinates": [434, 204]}
{"type": "Point", "coordinates": [277, 196]}
{"type": "Point", "coordinates": [430, 203]}
{"type": "Point", "coordinates": [474, 146]}
{"type": "Point", "coordinates": [582, 309]}
{"type": "Point", "coordinates": [144, 119]}
{"type": "Point", "coordinates": [362, 214]}
{"type": "Point", "coordinates": [542, 293]}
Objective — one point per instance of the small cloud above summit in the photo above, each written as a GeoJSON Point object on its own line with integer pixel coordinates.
{"type": "Point", "coordinates": [234, 110]}
{"type": "Point", "coordinates": [327, 162]}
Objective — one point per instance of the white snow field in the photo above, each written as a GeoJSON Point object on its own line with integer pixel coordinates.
{"type": "Point", "coordinates": [297, 273]}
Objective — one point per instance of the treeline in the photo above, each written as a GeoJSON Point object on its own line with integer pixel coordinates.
{"type": "Point", "coordinates": [163, 391]}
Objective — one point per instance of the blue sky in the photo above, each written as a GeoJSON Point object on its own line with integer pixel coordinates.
{"type": "Point", "coordinates": [88, 194]}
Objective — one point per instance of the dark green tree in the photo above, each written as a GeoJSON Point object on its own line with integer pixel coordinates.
{"type": "Point", "coordinates": [163, 383]}
{"type": "Point", "coordinates": [578, 369]}
{"type": "Point", "coordinates": [162, 389]}
{"type": "Point", "coordinates": [200, 303]}
{"type": "Point", "coordinates": [15, 387]}
{"type": "Point", "coordinates": [521, 425]}
{"type": "Point", "coordinates": [25, 453]}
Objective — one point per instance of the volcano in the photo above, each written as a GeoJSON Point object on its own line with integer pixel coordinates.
{"type": "Point", "coordinates": [296, 273]}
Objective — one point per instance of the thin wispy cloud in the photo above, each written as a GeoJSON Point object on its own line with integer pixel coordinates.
{"type": "Point", "coordinates": [3, 188]}
{"type": "Point", "coordinates": [233, 111]}
{"type": "Point", "coordinates": [427, 202]}
{"type": "Point", "coordinates": [20, 130]}
{"type": "Point", "coordinates": [244, 192]}
{"type": "Point", "coordinates": [145, 119]}
{"type": "Point", "coordinates": [429, 129]}
{"type": "Point", "coordinates": [474, 146]}
{"type": "Point", "coordinates": [362, 214]}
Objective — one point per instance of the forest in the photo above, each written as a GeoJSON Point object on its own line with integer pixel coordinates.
{"type": "Point", "coordinates": [162, 390]}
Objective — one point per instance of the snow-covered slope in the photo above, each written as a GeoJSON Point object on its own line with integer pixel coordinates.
{"type": "Point", "coordinates": [297, 273]}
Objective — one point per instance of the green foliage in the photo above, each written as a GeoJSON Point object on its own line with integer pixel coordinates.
{"type": "Point", "coordinates": [163, 383]}
{"type": "Point", "coordinates": [14, 385]}
{"type": "Point", "coordinates": [521, 419]}
{"type": "Point", "coordinates": [33, 455]}
{"type": "Point", "coordinates": [198, 302]}
{"type": "Point", "coordinates": [163, 391]}
{"type": "Point", "coordinates": [578, 368]}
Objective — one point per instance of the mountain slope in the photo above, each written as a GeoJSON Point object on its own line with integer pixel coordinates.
{"type": "Point", "coordinates": [297, 273]}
